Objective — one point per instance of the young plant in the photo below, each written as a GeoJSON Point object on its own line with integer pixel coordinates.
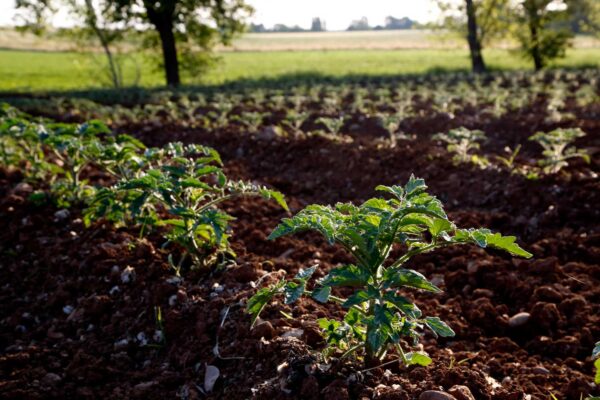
{"type": "Point", "coordinates": [509, 160]}
{"type": "Point", "coordinates": [21, 145]}
{"type": "Point", "coordinates": [391, 123]}
{"type": "Point", "coordinates": [252, 120]}
{"type": "Point", "coordinates": [557, 150]}
{"type": "Point", "coordinates": [379, 317]}
{"type": "Point", "coordinates": [295, 120]}
{"type": "Point", "coordinates": [188, 187]}
{"type": "Point", "coordinates": [333, 125]}
{"type": "Point", "coordinates": [71, 145]}
{"type": "Point", "coordinates": [461, 141]}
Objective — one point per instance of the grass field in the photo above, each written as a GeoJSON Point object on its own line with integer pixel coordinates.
{"type": "Point", "coordinates": [377, 54]}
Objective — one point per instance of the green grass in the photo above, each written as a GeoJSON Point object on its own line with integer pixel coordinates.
{"type": "Point", "coordinates": [38, 71]}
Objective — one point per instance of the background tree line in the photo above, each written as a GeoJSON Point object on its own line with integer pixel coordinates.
{"type": "Point", "coordinates": [184, 33]}
{"type": "Point", "coordinates": [543, 28]}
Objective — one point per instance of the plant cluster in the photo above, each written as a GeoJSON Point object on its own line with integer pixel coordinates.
{"type": "Point", "coordinates": [380, 317]}
{"type": "Point", "coordinates": [175, 189]}
{"type": "Point", "coordinates": [557, 149]}
{"type": "Point", "coordinates": [461, 142]}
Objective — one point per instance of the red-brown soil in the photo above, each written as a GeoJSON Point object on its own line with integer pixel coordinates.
{"type": "Point", "coordinates": [71, 328]}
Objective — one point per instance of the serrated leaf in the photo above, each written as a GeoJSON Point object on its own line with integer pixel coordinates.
{"type": "Point", "coordinates": [305, 274]}
{"type": "Point", "coordinates": [439, 226]}
{"type": "Point", "coordinates": [395, 190]}
{"type": "Point", "coordinates": [258, 302]}
{"type": "Point", "coordinates": [507, 243]}
{"type": "Point", "coordinates": [292, 291]}
{"type": "Point", "coordinates": [418, 358]}
{"type": "Point", "coordinates": [321, 294]}
{"type": "Point", "coordinates": [403, 304]}
{"type": "Point", "coordinates": [409, 278]}
{"type": "Point", "coordinates": [348, 275]}
{"type": "Point", "coordinates": [356, 298]}
{"type": "Point", "coordinates": [439, 327]}
{"type": "Point", "coordinates": [414, 186]}
{"type": "Point", "coordinates": [597, 377]}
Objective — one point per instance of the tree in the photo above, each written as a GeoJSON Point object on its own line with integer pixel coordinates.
{"type": "Point", "coordinates": [185, 31]}
{"type": "Point", "coordinates": [584, 16]}
{"type": "Point", "coordinates": [477, 63]}
{"type": "Point", "coordinates": [479, 21]}
{"type": "Point", "coordinates": [317, 25]}
{"type": "Point", "coordinates": [91, 16]}
{"type": "Point", "coordinates": [398, 23]}
{"type": "Point", "coordinates": [543, 39]}
{"type": "Point", "coordinates": [95, 25]}
{"type": "Point", "coordinates": [359, 25]}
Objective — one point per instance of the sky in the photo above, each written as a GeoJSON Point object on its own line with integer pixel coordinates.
{"type": "Point", "coordinates": [337, 13]}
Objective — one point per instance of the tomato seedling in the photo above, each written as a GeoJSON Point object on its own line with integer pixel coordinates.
{"type": "Point", "coordinates": [378, 315]}
{"type": "Point", "coordinates": [557, 150]}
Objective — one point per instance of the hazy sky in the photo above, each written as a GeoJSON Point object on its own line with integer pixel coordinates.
{"type": "Point", "coordinates": [337, 13]}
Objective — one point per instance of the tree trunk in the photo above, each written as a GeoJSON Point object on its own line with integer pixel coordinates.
{"type": "Point", "coordinates": [114, 71]}
{"type": "Point", "coordinates": [169, 49]}
{"type": "Point", "coordinates": [477, 63]}
{"type": "Point", "coordinates": [534, 48]}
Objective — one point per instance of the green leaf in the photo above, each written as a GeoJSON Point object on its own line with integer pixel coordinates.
{"type": "Point", "coordinates": [414, 186]}
{"type": "Point", "coordinates": [439, 327]}
{"type": "Point", "coordinates": [597, 377]}
{"type": "Point", "coordinates": [258, 302]}
{"type": "Point", "coordinates": [358, 297]}
{"type": "Point", "coordinates": [485, 238]}
{"type": "Point", "coordinates": [507, 243]}
{"type": "Point", "coordinates": [305, 274]}
{"type": "Point", "coordinates": [397, 191]}
{"type": "Point", "coordinates": [439, 226]}
{"type": "Point", "coordinates": [376, 337]}
{"type": "Point", "coordinates": [403, 304]}
{"type": "Point", "coordinates": [293, 291]}
{"type": "Point", "coordinates": [275, 195]}
{"type": "Point", "coordinates": [321, 294]}
{"type": "Point", "coordinates": [418, 358]}
{"type": "Point", "coordinates": [348, 275]}
{"type": "Point", "coordinates": [409, 278]}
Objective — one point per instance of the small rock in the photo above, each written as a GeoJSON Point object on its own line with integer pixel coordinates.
{"type": "Point", "coordinates": [461, 392]}
{"type": "Point", "coordinates": [436, 395]}
{"type": "Point", "coordinates": [51, 379]}
{"type": "Point", "coordinates": [540, 370]}
{"type": "Point", "coordinates": [210, 377]}
{"type": "Point", "coordinates": [61, 215]}
{"type": "Point", "coordinates": [264, 329]}
{"type": "Point", "coordinates": [294, 332]}
{"type": "Point", "coordinates": [121, 344]}
{"type": "Point", "coordinates": [68, 309]}
{"type": "Point", "coordinates": [142, 339]}
{"type": "Point", "coordinates": [141, 389]}
{"type": "Point", "coordinates": [158, 336]}
{"type": "Point", "coordinates": [268, 133]}
{"type": "Point", "coordinates": [23, 188]}
{"type": "Point", "coordinates": [519, 319]}
{"type": "Point", "coordinates": [483, 293]}
{"type": "Point", "coordinates": [128, 275]}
